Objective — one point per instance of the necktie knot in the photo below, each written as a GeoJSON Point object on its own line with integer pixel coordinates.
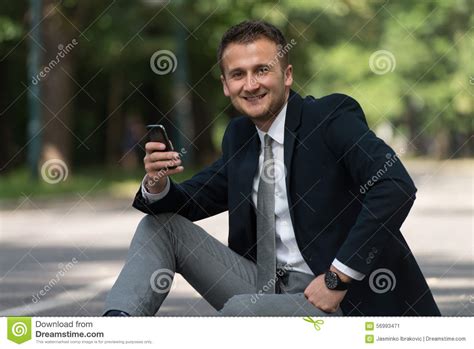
{"type": "Point", "coordinates": [267, 140]}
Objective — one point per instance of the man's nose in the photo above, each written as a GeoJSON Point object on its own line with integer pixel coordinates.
{"type": "Point", "coordinates": [251, 83]}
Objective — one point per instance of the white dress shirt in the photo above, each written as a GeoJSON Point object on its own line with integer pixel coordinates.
{"type": "Point", "coordinates": [287, 251]}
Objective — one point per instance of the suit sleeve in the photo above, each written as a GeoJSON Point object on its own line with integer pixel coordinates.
{"type": "Point", "coordinates": [202, 196]}
{"type": "Point", "coordinates": [388, 191]}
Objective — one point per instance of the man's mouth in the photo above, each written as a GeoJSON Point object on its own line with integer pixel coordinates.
{"type": "Point", "coordinates": [254, 98]}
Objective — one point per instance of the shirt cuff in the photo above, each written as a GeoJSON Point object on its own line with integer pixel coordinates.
{"type": "Point", "coordinates": [151, 198]}
{"type": "Point", "coordinates": [354, 274]}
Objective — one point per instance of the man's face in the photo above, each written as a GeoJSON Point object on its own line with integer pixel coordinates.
{"type": "Point", "coordinates": [254, 80]}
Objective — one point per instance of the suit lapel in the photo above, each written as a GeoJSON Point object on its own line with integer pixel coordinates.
{"type": "Point", "coordinates": [292, 123]}
{"type": "Point", "coordinates": [249, 163]}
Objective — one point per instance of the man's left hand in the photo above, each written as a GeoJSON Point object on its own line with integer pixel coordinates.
{"type": "Point", "coordinates": [322, 297]}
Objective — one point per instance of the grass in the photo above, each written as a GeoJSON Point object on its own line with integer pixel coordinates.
{"type": "Point", "coordinates": [121, 183]}
{"type": "Point", "coordinates": [90, 182]}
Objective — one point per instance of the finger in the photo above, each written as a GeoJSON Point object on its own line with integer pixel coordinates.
{"type": "Point", "coordinates": [154, 146]}
{"type": "Point", "coordinates": [167, 172]}
{"type": "Point", "coordinates": [163, 156]}
{"type": "Point", "coordinates": [160, 164]}
{"type": "Point", "coordinates": [178, 169]}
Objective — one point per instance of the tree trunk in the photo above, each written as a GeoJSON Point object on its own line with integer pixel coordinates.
{"type": "Point", "coordinates": [57, 89]}
{"type": "Point", "coordinates": [6, 144]}
{"type": "Point", "coordinates": [114, 123]}
{"type": "Point", "coordinates": [416, 144]}
{"type": "Point", "coordinates": [442, 144]}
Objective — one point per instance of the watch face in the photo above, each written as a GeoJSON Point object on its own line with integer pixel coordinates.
{"type": "Point", "coordinates": [331, 280]}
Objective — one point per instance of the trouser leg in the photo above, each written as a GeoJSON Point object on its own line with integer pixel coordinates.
{"type": "Point", "coordinates": [169, 243]}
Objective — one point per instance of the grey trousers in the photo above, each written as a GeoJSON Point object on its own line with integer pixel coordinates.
{"type": "Point", "coordinates": [169, 243]}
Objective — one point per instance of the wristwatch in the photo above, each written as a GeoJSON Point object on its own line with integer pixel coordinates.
{"type": "Point", "coordinates": [334, 282]}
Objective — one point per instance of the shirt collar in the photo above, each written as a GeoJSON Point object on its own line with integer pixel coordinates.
{"type": "Point", "coordinates": [277, 128]}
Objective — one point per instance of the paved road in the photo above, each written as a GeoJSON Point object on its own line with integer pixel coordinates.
{"type": "Point", "coordinates": [61, 257]}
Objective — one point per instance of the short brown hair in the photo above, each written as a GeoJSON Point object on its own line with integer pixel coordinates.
{"type": "Point", "coordinates": [248, 31]}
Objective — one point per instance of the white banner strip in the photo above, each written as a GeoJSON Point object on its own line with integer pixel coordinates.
{"type": "Point", "coordinates": [236, 332]}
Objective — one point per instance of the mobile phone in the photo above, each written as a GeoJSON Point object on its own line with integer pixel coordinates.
{"type": "Point", "coordinates": [157, 133]}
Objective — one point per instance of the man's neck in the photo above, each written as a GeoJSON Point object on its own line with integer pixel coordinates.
{"type": "Point", "coordinates": [264, 125]}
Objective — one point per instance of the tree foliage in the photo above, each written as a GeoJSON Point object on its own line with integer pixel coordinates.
{"type": "Point", "coordinates": [424, 96]}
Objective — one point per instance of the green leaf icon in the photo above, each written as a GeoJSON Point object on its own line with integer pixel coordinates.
{"type": "Point", "coordinates": [19, 329]}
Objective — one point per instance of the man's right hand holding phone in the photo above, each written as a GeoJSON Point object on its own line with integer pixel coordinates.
{"type": "Point", "coordinates": [158, 163]}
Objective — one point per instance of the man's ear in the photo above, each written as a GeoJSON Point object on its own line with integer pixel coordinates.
{"type": "Point", "coordinates": [289, 75]}
{"type": "Point", "coordinates": [224, 86]}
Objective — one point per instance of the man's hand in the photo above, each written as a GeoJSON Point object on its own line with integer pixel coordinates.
{"type": "Point", "coordinates": [157, 163]}
{"type": "Point", "coordinates": [322, 297]}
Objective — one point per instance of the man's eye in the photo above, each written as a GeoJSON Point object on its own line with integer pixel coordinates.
{"type": "Point", "coordinates": [263, 70]}
{"type": "Point", "coordinates": [236, 75]}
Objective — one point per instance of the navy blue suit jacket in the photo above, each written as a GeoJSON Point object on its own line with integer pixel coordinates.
{"type": "Point", "coordinates": [348, 195]}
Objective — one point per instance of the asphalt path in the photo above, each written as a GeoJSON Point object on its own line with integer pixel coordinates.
{"type": "Point", "coordinates": [61, 257]}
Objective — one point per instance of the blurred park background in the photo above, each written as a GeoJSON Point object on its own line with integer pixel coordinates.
{"type": "Point", "coordinates": [79, 80]}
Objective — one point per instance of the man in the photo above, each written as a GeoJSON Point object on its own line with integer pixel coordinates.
{"type": "Point", "coordinates": [315, 204]}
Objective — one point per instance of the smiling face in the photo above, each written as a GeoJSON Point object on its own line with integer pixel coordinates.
{"type": "Point", "coordinates": [254, 80]}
